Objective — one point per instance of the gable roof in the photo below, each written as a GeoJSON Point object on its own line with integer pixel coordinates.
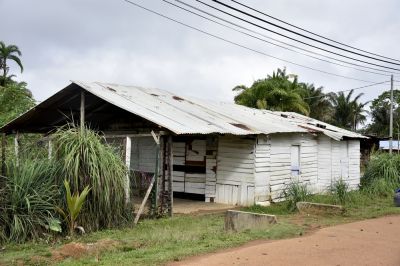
{"type": "Point", "coordinates": [188, 115]}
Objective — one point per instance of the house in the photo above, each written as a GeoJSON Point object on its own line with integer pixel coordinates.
{"type": "Point", "coordinates": [221, 152]}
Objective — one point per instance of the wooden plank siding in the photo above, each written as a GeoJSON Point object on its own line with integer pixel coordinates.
{"type": "Point", "coordinates": [262, 169]}
{"type": "Point", "coordinates": [235, 170]}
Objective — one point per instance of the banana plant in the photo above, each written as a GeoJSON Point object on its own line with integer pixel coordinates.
{"type": "Point", "coordinates": [75, 202]}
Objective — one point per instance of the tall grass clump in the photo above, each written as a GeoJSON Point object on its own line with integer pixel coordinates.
{"type": "Point", "coordinates": [86, 161]}
{"type": "Point", "coordinates": [27, 200]}
{"type": "Point", "coordinates": [382, 175]}
{"type": "Point", "coordinates": [340, 191]}
{"type": "Point", "coordinates": [295, 192]}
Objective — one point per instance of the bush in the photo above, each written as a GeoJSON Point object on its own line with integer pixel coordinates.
{"type": "Point", "coordinates": [27, 200]}
{"type": "Point", "coordinates": [295, 192]}
{"type": "Point", "coordinates": [340, 191]}
{"type": "Point", "coordinates": [382, 175]}
{"type": "Point", "coordinates": [85, 160]}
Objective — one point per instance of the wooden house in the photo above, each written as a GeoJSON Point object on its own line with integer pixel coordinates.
{"type": "Point", "coordinates": [220, 152]}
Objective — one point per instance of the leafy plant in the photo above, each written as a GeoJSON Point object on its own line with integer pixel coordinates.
{"type": "Point", "coordinates": [340, 190]}
{"type": "Point", "coordinates": [295, 192]}
{"type": "Point", "coordinates": [75, 202]}
{"type": "Point", "coordinates": [382, 174]}
{"type": "Point", "coordinates": [87, 161]}
{"type": "Point", "coordinates": [27, 200]}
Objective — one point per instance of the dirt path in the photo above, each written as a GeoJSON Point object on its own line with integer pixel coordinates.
{"type": "Point", "coordinates": [369, 242]}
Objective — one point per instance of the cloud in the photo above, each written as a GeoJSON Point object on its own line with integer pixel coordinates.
{"type": "Point", "coordinates": [112, 41]}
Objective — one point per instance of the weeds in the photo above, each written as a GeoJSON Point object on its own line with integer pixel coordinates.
{"type": "Point", "coordinates": [340, 191]}
{"type": "Point", "coordinates": [295, 192]}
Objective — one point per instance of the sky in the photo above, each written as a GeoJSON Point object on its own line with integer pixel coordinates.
{"type": "Point", "coordinates": [113, 41]}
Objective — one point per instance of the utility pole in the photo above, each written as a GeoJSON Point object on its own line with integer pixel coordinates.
{"type": "Point", "coordinates": [391, 117]}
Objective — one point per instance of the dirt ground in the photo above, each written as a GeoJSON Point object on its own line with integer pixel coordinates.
{"type": "Point", "coordinates": [369, 242]}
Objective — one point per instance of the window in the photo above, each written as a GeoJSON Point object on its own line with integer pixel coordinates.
{"type": "Point", "coordinates": [295, 160]}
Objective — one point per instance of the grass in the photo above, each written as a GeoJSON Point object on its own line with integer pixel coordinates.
{"type": "Point", "coordinates": [154, 242]}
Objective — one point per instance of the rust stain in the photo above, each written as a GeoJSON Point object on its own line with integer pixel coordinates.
{"type": "Point", "coordinates": [241, 126]}
{"type": "Point", "coordinates": [155, 95]}
{"type": "Point", "coordinates": [177, 98]}
{"type": "Point", "coordinates": [111, 89]}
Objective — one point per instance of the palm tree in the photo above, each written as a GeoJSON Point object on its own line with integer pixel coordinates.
{"type": "Point", "coordinates": [276, 92]}
{"type": "Point", "coordinates": [318, 102]}
{"type": "Point", "coordinates": [348, 113]}
{"type": "Point", "coordinates": [8, 52]}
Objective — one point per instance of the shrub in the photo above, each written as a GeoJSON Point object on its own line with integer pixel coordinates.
{"type": "Point", "coordinates": [27, 200]}
{"type": "Point", "coordinates": [85, 160]}
{"type": "Point", "coordinates": [295, 192]}
{"type": "Point", "coordinates": [382, 174]}
{"type": "Point", "coordinates": [340, 191]}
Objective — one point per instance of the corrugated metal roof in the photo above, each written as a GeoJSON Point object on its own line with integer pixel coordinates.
{"type": "Point", "coordinates": [188, 115]}
{"type": "Point", "coordinates": [331, 131]}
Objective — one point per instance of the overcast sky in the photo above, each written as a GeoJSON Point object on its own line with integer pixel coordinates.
{"type": "Point", "coordinates": [113, 41]}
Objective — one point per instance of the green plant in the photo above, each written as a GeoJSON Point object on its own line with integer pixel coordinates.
{"type": "Point", "coordinates": [27, 200]}
{"type": "Point", "coordinates": [382, 174]}
{"type": "Point", "coordinates": [340, 191]}
{"type": "Point", "coordinates": [85, 160]}
{"type": "Point", "coordinates": [75, 202]}
{"type": "Point", "coordinates": [295, 192]}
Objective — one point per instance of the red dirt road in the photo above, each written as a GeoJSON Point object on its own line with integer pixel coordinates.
{"type": "Point", "coordinates": [369, 242]}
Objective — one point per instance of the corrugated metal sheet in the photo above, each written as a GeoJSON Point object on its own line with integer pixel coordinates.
{"type": "Point", "coordinates": [329, 130]}
{"type": "Point", "coordinates": [187, 115]}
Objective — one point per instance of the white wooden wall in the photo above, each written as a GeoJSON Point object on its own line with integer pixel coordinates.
{"type": "Point", "coordinates": [324, 162]}
{"type": "Point", "coordinates": [211, 168]}
{"type": "Point", "coordinates": [235, 170]}
{"type": "Point", "coordinates": [262, 169]}
{"type": "Point", "coordinates": [354, 163]}
{"type": "Point", "coordinates": [179, 154]}
{"type": "Point", "coordinates": [280, 167]}
{"type": "Point", "coordinates": [338, 160]}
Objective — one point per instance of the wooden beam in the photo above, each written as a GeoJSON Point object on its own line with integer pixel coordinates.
{"type": "Point", "coordinates": [170, 176]}
{"type": "Point", "coordinates": [141, 208]}
{"type": "Point", "coordinates": [82, 109]}
{"type": "Point", "coordinates": [128, 149]}
{"type": "Point", "coordinates": [3, 154]}
{"type": "Point", "coordinates": [49, 149]}
{"type": "Point", "coordinates": [16, 148]}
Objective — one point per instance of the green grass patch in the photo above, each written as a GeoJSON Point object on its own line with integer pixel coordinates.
{"type": "Point", "coordinates": [155, 242]}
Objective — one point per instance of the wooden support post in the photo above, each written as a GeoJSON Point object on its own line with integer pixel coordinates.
{"type": "Point", "coordinates": [49, 149]}
{"type": "Point", "coordinates": [170, 176]}
{"type": "Point", "coordinates": [16, 148]}
{"type": "Point", "coordinates": [82, 110]}
{"type": "Point", "coordinates": [145, 199]}
{"type": "Point", "coordinates": [3, 154]}
{"type": "Point", "coordinates": [128, 148]}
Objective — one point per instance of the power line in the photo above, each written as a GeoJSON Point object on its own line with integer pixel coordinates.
{"type": "Point", "coordinates": [241, 45]}
{"type": "Point", "coordinates": [358, 88]}
{"type": "Point", "coordinates": [300, 34]}
{"type": "Point", "coordinates": [310, 32]}
{"type": "Point", "coordinates": [294, 39]}
{"type": "Point", "coordinates": [263, 40]}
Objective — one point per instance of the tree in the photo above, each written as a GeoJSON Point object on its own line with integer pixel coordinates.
{"type": "Point", "coordinates": [319, 104]}
{"type": "Point", "coordinates": [15, 99]}
{"type": "Point", "coordinates": [279, 92]}
{"type": "Point", "coordinates": [380, 115]}
{"type": "Point", "coordinates": [8, 52]}
{"type": "Point", "coordinates": [348, 112]}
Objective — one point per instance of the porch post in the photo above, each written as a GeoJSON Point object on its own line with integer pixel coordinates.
{"type": "Point", "coordinates": [82, 110]}
{"type": "Point", "coordinates": [16, 148]}
{"type": "Point", "coordinates": [128, 148]}
{"type": "Point", "coordinates": [3, 154]}
{"type": "Point", "coordinates": [170, 176]}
